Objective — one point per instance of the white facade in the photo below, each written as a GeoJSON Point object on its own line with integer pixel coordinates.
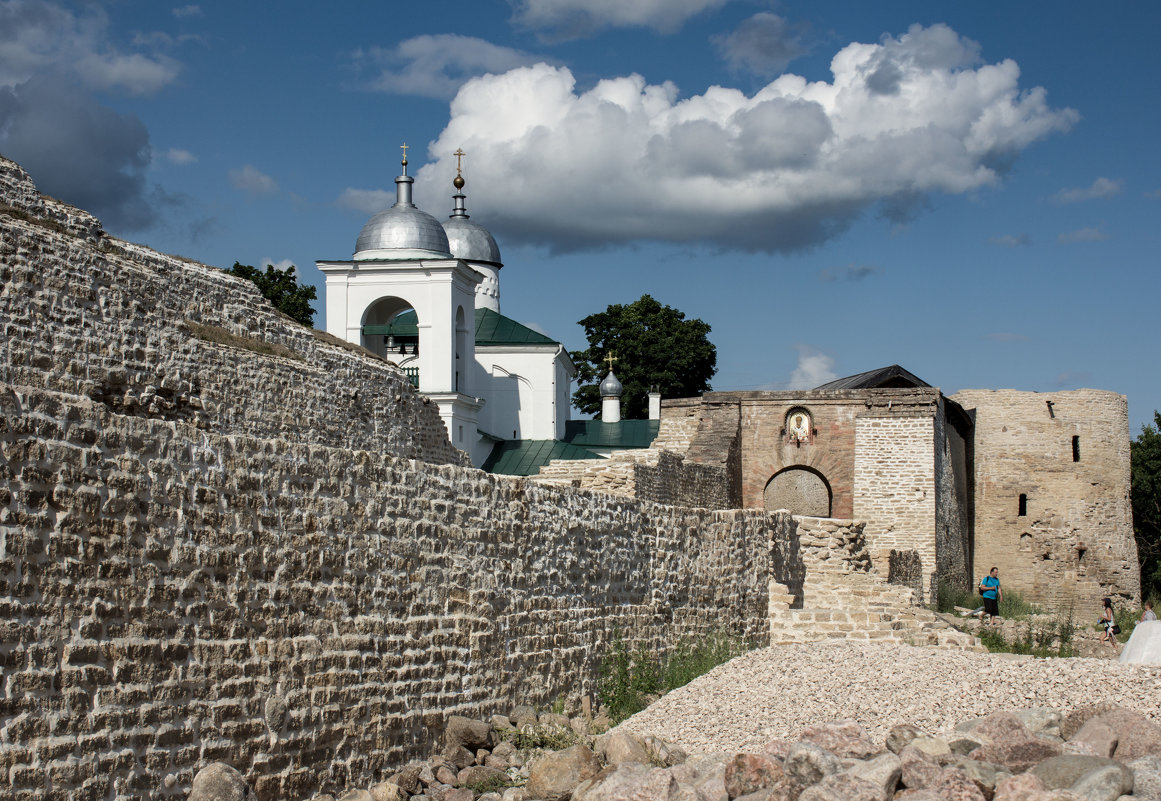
{"type": "Point", "coordinates": [517, 385]}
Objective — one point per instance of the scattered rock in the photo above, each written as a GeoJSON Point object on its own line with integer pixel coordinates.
{"type": "Point", "coordinates": [553, 776]}
{"type": "Point", "coordinates": [218, 782]}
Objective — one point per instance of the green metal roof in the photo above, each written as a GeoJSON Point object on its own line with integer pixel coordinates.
{"type": "Point", "coordinates": [625, 434]}
{"type": "Point", "coordinates": [525, 457]}
{"type": "Point", "coordinates": [492, 328]}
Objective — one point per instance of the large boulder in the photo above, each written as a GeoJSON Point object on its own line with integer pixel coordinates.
{"type": "Point", "coordinates": [470, 734]}
{"type": "Point", "coordinates": [809, 763]}
{"type": "Point", "coordinates": [218, 782]}
{"type": "Point", "coordinates": [843, 738]}
{"type": "Point", "coordinates": [748, 773]}
{"type": "Point", "coordinates": [620, 746]}
{"type": "Point", "coordinates": [1147, 778]}
{"type": "Point", "coordinates": [554, 776]}
{"type": "Point", "coordinates": [1011, 744]}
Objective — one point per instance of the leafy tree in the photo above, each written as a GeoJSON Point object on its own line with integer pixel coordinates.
{"type": "Point", "coordinates": [281, 288]}
{"type": "Point", "coordinates": [653, 346]}
{"type": "Point", "coordinates": [1146, 494]}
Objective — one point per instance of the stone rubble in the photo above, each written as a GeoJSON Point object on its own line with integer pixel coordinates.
{"type": "Point", "coordinates": [1022, 730]}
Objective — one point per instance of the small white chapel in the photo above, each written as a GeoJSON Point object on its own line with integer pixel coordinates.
{"type": "Point", "coordinates": [426, 295]}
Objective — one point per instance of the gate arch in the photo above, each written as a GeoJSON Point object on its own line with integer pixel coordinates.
{"type": "Point", "coordinates": [801, 490]}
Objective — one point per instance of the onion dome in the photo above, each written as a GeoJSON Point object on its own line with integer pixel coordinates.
{"type": "Point", "coordinates": [611, 387]}
{"type": "Point", "coordinates": [402, 231]}
{"type": "Point", "coordinates": [468, 240]}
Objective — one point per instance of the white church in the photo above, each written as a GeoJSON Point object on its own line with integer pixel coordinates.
{"type": "Point", "coordinates": [426, 296]}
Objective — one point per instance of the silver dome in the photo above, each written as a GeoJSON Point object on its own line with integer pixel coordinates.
{"type": "Point", "coordinates": [402, 231]}
{"type": "Point", "coordinates": [471, 242]}
{"type": "Point", "coordinates": [611, 387]}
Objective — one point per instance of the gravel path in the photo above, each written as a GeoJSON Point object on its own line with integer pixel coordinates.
{"type": "Point", "coordinates": [777, 691]}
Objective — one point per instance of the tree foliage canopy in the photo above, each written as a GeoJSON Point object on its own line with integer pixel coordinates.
{"type": "Point", "coordinates": [1146, 494]}
{"type": "Point", "coordinates": [281, 288]}
{"type": "Point", "coordinates": [654, 346]}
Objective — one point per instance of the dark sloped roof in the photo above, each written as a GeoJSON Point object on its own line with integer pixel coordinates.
{"type": "Point", "coordinates": [625, 434]}
{"type": "Point", "coordinates": [893, 377]}
{"type": "Point", "coordinates": [525, 457]}
{"type": "Point", "coordinates": [492, 328]}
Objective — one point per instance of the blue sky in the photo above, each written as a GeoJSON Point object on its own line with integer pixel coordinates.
{"type": "Point", "coordinates": [970, 190]}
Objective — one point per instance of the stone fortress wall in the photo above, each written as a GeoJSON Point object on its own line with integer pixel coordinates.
{"type": "Point", "coordinates": [213, 552]}
{"type": "Point", "coordinates": [1067, 454]}
{"type": "Point", "coordinates": [89, 315]}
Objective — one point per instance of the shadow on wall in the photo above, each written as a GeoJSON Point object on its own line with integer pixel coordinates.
{"type": "Point", "coordinates": [786, 565]}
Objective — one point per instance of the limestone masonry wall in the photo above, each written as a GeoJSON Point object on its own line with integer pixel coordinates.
{"type": "Point", "coordinates": [109, 320]}
{"type": "Point", "coordinates": [1074, 541]}
{"type": "Point", "coordinates": [214, 553]}
{"type": "Point", "coordinates": [309, 614]}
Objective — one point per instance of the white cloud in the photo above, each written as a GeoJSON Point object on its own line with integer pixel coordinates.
{"type": "Point", "coordinates": [176, 155]}
{"type": "Point", "coordinates": [369, 201]}
{"type": "Point", "coordinates": [1088, 234]}
{"type": "Point", "coordinates": [763, 44]}
{"type": "Point", "coordinates": [784, 169]}
{"type": "Point", "coordinates": [1101, 188]}
{"type": "Point", "coordinates": [436, 66]}
{"type": "Point", "coordinates": [252, 181]}
{"type": "Point", "coordinates": [43, 38]}
{"type": "Point", "coordinates": [568, 19]}
{"type": "Point", "coordinates": [187, 11]}
{"type": "Point", "coordinates": [277, 264]}
{"type": "Point", "coordinates": [1010, 240]}
{"type": "Point", "coordinates": [814, 368]}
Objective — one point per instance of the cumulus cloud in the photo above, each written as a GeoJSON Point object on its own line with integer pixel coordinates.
{"type": "Point", "coordinates": [1010, 240]}
{"type": "Point", "coordinates": [1088, 234]}
{"type": "Point", "coordinates": [436, 65]}
{"type": "Point", "coordinates": [852, 272]}
{"type": "Point", "coordinates": [764, 44]}
{"type": "Point", "coordinates": [1101, 188]}
{"type": "Point", "coordinates": [252, 181]}
{"type": "Point", "coordinates": [40, 38]}
{"type": "Point", "coordinates": [814, 368]}
{"type": "Point", "coordinates": [570, 19]}
{"type": "Point", "coordinates": [187, 11]}
{"type": "Point", "coordinates": [786, 168]}
{"type": "Point", "coordinates": [80, 151]}
{"type": "Point", "coordinates": [176, 155]}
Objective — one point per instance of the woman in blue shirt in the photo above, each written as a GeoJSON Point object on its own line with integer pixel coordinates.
{"type": "Point", "coordinates": [991, 592]}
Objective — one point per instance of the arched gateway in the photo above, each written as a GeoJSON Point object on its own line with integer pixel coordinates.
{"type": "Point", "coordinates": [800, 490]}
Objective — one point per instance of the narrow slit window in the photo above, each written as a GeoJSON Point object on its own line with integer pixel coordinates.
{"type": "Point", "coordinates": [1076, 449]}
{"type": "Point", "coordinates": [1023, 505]}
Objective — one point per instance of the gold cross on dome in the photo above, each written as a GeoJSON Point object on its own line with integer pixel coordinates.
{"type": "Point", "coordinates": [404, 146]}
{"type": "Point", "coordinates": [459, 154]}
{"type": "Point", "coordinates": [610, 359]}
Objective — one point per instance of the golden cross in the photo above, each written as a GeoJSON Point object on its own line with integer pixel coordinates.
{"type": "Point", "coordinates": [610, 359]}
{"type": "Point", "coordinates": [459, 154]}
{"type": "Point", "coordinates": [404, 146]}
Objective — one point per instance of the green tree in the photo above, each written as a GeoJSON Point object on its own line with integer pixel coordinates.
{"type": "Point", "coordinates": [281, 288]}
{"type": "Point", "coordinates": [1146, 494]}
{"type": "Point", "coordinates": [653, 346]}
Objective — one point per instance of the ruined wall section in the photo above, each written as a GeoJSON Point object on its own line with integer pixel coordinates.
{"type": "Point", "coordinates": [1074, 543]}
{"type": "Point", "coordinates": [171, 597]}
{"type": "Point", "coordinates": [894, 486]}
{"type": "Point", "coordinates": [85, 314]}
{"type": "Point", "coordinates": [952, 502]}
{"type": "Point", "coordinates": [647, 474]}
